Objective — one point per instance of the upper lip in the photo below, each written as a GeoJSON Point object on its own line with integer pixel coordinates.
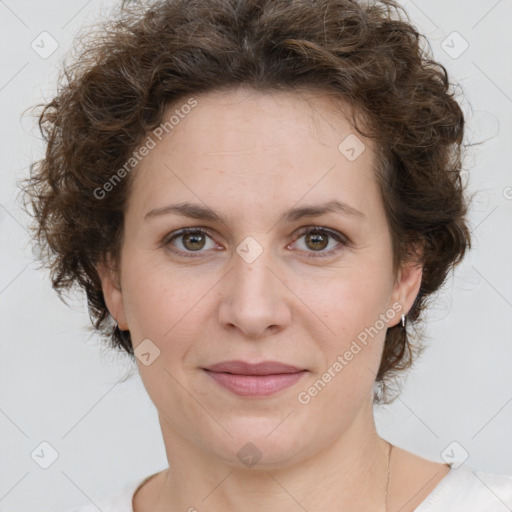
{"type": "Point", "coordinates": [244, 368]}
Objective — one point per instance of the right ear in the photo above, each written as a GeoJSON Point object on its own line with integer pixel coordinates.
{"type": "Point", "coordinates": [112, 293]}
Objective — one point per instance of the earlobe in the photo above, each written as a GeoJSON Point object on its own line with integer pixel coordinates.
{"type": "Point", "coordinates": [112, 293]}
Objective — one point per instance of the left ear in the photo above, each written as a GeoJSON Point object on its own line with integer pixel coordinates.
{"type": "Point", "coordinates": [408, 283]}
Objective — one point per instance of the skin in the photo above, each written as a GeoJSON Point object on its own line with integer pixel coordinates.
{"type": "Point", "coordinates": [251, 156]}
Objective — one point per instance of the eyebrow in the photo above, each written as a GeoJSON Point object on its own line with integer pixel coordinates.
{"type": "Point", "coordinates": [196, 211]}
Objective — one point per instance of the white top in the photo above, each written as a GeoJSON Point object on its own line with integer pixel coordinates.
{"type": "Point", "coordinates": [461, 489]}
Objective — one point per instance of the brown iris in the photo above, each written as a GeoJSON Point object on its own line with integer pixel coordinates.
{"type": "Point", "coordinates": [320, 240]}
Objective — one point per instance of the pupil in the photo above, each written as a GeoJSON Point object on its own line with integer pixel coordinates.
{"type": "Point", "coordinates": [193, 237]}
{"type": "Point", "coordinates": [315, 237]}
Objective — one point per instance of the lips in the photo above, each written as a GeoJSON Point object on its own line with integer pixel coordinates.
{"type": "Point", "coordinates": [254, 380]}
{"type": "Point", "coordinates": [243, 368]}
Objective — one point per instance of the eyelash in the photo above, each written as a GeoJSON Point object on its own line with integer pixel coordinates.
{"type": "Point", "coordinates": [305, 231]}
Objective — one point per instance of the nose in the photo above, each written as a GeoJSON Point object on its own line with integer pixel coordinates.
{"type": "Point", "coordinates": [255, 298]}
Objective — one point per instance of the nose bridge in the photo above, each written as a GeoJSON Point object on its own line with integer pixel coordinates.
{"type": "Point", "coordinates": [252, 279]}
{"type": "Point", "coordinates": [253, 299]}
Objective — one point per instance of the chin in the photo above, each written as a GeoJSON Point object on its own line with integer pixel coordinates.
{"type": "Point", "coordinates": [258, 444]}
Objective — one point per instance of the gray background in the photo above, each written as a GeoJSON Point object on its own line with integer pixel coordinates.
{"type": "Point", "coordinates": [58, 385]}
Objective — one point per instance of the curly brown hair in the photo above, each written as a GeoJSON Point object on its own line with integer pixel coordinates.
{"type": "Point", "coordinates": [145, 58]}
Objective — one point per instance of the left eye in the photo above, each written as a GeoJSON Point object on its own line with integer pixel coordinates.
{"type": "Point", "coordinates": [316, 240]}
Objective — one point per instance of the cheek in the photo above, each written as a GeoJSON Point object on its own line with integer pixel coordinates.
{"type": "Point", "coordinates": [351, 301]}
{"type": "Point", "coordinates": [351, 349]}
{"type": "Point", "coordinates": [352, 307]}
{"type": "Point", "coordinates": [160, 302]}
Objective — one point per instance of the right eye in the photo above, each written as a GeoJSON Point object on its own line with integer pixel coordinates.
{"type": "Point", "coordinates": [191, 240]}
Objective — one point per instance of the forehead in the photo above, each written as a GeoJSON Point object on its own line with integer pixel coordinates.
{"type": "Point", "coordinates": [264, 148]}
{"type": "Point", "coordinates": [242, 120]}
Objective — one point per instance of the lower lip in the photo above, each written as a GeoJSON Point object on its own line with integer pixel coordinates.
{"type": "Point", "coordinates": [255, 385]}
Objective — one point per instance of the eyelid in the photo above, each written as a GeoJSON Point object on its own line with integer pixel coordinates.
{"type": "Point", "coordinates": [336, 235]}
{"type": "Point", "coordinates": [184, 231]}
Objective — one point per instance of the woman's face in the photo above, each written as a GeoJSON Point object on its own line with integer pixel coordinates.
{"type": "Point", "coordinates": [253, 286]}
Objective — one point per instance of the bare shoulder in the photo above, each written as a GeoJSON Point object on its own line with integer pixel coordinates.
{"type": "Point", "coordinates": [146, 495]}
{"type": "Point", "coordinates": [412, 479]}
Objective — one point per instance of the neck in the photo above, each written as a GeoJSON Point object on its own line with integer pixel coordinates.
{"type": "Point", "coordinates": [349, 474]}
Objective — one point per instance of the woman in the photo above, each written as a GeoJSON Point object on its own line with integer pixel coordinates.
{"type": "Point", "coordinates": [258, 197]}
